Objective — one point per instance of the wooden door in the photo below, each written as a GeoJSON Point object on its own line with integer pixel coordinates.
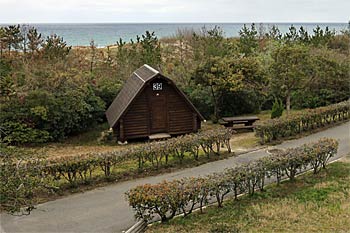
{"type": "Point", "coordinates": [158, 114]}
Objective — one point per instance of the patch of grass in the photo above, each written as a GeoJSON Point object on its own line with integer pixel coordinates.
{"type": "Point", "coordinates": [244, 141]}
{"type": "Point", "coordinates": [312, 203]}
{"type": "Point", "coordinates": [266, 114]}
{"type": "Point", "coordinates": [89, 137]}
{"type": "Point", "coordinates": [317, 195]}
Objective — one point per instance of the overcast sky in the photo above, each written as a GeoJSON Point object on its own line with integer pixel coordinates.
{"type": "Point", "coordinates": [143, 11]}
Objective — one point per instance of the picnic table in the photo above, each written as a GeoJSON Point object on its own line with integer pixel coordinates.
{"type": "Point", "coordinates": [245, 122]}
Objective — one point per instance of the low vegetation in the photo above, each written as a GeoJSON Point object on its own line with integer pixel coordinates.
{"type": "Point", "coordinates": [306, 120]}
{"type": "Point", "coordinates": [170, 197]}
{"type": "Point", "coordinates": [32, 175]}
{"type": "Point", "coordinates": [311, 203]}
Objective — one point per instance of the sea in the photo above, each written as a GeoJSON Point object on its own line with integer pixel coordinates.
{"type": "Point", "coordinates": [104, 34]}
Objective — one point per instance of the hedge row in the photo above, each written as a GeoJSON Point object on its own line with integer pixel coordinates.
{"type": "Point", "coordinates": [277, 128]}
{"type": "Point", "coordinates": [81, 168]}
{"type": "Point", "coordinates": [21, 178]}
{"type": "Point", "coordinates": [167, 198]}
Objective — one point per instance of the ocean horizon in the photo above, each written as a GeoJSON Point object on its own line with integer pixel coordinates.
{"type": "Point", "coordinates": [104, 34]}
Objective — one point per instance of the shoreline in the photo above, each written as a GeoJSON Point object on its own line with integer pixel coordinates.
{"type": "Point", "coordinates": [106, 34]}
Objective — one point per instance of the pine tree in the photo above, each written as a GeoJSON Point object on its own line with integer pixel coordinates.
{"type": "Point", "coordinates": [277, 108]}
{"type": "Point", "coordinates": [274, 33]}
{"type": "Point", "coordinates": [303, 35]}
{"type": "Point", "coordinates": [289, 68]}
{"type": "Point", "coordinates": [292, 35]}
{"type": "Point", "coordinates": [13, 37]}
{"type": "Point", "coordinates": [3, 44]}
{"type": "Point", "coordinates": [55, 47]}
{"type": "Point", "coordinates": [150, 49]}
{"type": "Point", "coordinates": [34, 40]}
{"type": "Point", "coordinates": [248, 41]}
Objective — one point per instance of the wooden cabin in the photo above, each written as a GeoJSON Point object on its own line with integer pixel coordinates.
{"type": "Point", "coordinates": [150, 104]}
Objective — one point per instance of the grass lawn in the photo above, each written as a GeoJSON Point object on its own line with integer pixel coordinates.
{"type": "Point", "coordinates": [313, 203]}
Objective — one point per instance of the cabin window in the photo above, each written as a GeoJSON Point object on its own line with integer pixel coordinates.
{"type": "Point", "coordinates": [157, 86]}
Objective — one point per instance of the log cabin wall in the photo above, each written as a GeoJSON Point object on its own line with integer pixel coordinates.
{"type": "Point", "coordinates": [137, 122]}
{"type": "Point", "coordinates": [180, 114]}
{"type": "Point", "coordinates": [136, 119]}
{"type": "Point", "coordinates": [150, 103]}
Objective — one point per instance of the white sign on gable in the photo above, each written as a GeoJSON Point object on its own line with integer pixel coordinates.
{"type": "Point", "coordinates": [157, 86]}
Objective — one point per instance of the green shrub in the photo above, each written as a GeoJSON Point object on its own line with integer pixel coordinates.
{"type": "Point", "coordinates": [19, 180]}
{"type": "Point", "coordinates": [83, 168]}
{"type": "Point", "coordinates": [306, 120]}
{"type": "Point", "coordinates": [277, 109]}
{"type": "Point", "coordinates": [168, 198]}
{"type": "Point", "coordinates": [16, 132]}
{"type": "Point", "coordinates": [42, 116]}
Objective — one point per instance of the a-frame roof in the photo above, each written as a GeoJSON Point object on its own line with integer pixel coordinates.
{"type": "Point", "coordinates": [132, 87]}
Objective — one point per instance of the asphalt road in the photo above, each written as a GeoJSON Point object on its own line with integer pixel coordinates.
{"type": "Point", "coordinates": [106, 210]}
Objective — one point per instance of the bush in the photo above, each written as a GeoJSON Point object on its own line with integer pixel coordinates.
{"type": "Point", "coordinates": [168, 198]}
{"type": "Point", "coordinates": [42, 116]}
{"type": "Point", "coordinates": [84, 168]}
{"type": "Point", "coordinates": [277, 109]}
{"type": "Point", "coordinates": [158, 153]}
{"type": "Point", "coordinates": [16, 132]}
{"type": "Point", "coordinates": [309, 119]}
{"type": "Point", "coordinates": [19, 180]}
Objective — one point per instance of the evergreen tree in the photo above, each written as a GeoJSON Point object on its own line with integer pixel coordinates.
{"type": "Point", "coordinates": [289, 68]}
{"type": "Point", "coordinates": [274, 33]}
{"type": "Point", "coordinates": [55, 47]}
{"type": "Point", "coordinates": [150, 49]}
{"type": "Point", "coordinates": [3, 40]}
{"type": "Point", "coordinates": [13, 37]}
{"type": "Point", "coordinates": [248, 41]}
{"type": "Point", "coordinates": [277, 108]}
{"type": "Point", "coordinates": [220, 76]}
{"type": "Point", "coordinates": [303, 35]}
{"type": "Point", "coordinates": [35, 40]}
{"type": "Point", "coordinates": [292, 35]}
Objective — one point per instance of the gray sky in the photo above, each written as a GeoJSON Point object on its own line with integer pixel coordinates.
{"type": "Point", "coordinates": [88, 11]}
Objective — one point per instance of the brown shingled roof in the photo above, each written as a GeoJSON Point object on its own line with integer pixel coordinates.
{"type": "Point", "coordinates": [130, 90]}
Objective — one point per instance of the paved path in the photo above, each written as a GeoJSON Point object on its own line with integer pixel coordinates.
{"type": "Point", "coordinates": [106, 210]}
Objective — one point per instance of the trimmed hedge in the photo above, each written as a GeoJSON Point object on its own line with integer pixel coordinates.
{"type": "Point", "coordinates": [170, 197]}
{"type": "Point", "coordinates": [19, 181]}
{"type": "Point", "coordinates": [275, 129]}
{"type": "Point", "coordinates": [22, 176]}
{"type": "Point", "coordinates": [80, 169]}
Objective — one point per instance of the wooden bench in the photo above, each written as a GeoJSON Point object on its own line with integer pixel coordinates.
{"type": "Point", "coordinates": [243, 122]}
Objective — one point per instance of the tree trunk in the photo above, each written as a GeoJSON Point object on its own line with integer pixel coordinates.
{"type": "Point", "coordinates": [216, 111]}
{"type": "Point", "coordinates": [288, 102]}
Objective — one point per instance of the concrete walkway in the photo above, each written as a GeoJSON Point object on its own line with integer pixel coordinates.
{"type": "Point", "coordinates": [106, 210]}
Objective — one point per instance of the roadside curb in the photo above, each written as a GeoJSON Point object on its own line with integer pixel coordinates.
{"type": "Point", "coordinates": [139, 227]}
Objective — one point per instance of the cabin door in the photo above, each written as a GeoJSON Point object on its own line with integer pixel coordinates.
{"type": "Point", "coordinates": [158, 114]}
